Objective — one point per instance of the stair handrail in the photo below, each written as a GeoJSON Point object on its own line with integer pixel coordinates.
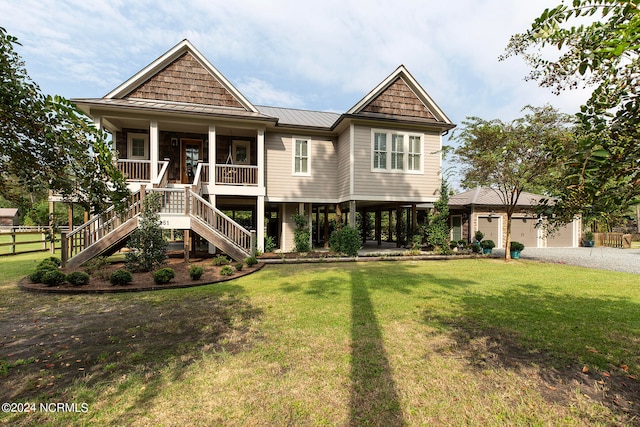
{"type": "Point", "coordinates": [221, 223]}
{"type": "Point", "coordinates": [163, 177]}
{"type": "Point", "coordinates": [100, 225]}
{"type": "Point", "coordinates": [197, 180]}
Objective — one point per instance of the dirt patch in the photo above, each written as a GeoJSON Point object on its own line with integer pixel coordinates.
{"type": "Point", "coordinates": [99, 282]}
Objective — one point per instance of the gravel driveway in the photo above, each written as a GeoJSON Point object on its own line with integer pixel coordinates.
{"type": "Point", "coordinates": [603, 258]}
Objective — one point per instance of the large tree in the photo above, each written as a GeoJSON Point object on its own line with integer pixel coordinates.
{"type": "Point", "coordinates": [47, 143]}
{"type": "Point", "coordinates": [513, 157]}
{"type": "Point", "coordinates": [596, 44]}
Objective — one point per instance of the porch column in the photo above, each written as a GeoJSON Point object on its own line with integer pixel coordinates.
{"type": "Point", "coordinates": [154, 142]}
{"type": "Point", "coordinates": [212, 156]}
{"type": "Point", "coordinates": [379, 226]}
{"type": "Point", "coordinates": [260, 157]}
{"type": "Point", "coordinates": [260, 223]}
{"type": "Point", "coordinates": [310, 219]}
{"type": "Point", "coordinates": [326, 226]}
{"type": "Point", "coordinates": [352, 213]}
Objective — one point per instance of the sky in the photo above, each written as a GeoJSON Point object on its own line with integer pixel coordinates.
{"type": "Point", "coordinates": [318, 55]}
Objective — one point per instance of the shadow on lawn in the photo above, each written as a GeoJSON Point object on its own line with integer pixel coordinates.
{"type": "Point", "coordinates": [374, 398]}
{"type": "Point", "coordinates": [97, 340]}
{"type": "Point", "coordinates": [526, 326]}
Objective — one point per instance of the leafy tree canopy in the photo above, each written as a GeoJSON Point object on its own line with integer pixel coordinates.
{"type": "Point", "coordinates": [597, 44]}
{"type": "Point", "coordinates": [47, 143]}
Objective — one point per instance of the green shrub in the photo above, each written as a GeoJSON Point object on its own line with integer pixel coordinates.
{"type": "Point", "coordinates": [220, 260]}
{"type": "Point", "coordinates": [96, 267]}
{"type": "Point", "coordinates": [487, 244]}
{"type": "Point", "coordinates": [196, 272]}
{"type": "Point", "coordinates": [47, 264]}
{"type": "Point", "coordinates": [239, 266]}
{"type": "Point", "coordinates": [54, 260]}
{"type": "Point", "coordinates": [251, 261]}
{"type": "Point", "coordinates": [479, 236]}
{"type": "Point", "coordinates": [53, 277]}
{"type": "Point", "coordinates": [301, 234]}
{"type": "Point", "coordinates": [347, 241]}
{"type": "Point", "coordinates": [147, 246]}
{"type": "Point", "coordinates": [462, 244]}
{"type": "Point", "coordinates": [475, 247]}
{"type": "Point", "coordinates": [226, 270]}
{"type": "Point", "coordinates": [453, 244]}
{"type": "Point", "coordinates": [43, 267]}
{"type": "Point", "coordinates": [269, 244]}
{"type": "Point", "coordinates": [516, 246]}
{"type": "Point", "coordinates": [164, 275]}
{"type": "Point", "coordinates": [78, 278]}
{"type": "Point", "coordinates": [120, 278]}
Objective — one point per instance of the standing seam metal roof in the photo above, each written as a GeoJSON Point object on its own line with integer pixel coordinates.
{"type": "Point", "coordinates": [295, 117]}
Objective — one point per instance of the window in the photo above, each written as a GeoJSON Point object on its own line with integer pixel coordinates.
{"type": "Point", "coordinates": [415, 153]}
{"type": "Point", "coordinates": [397, 151]}
{"type": "Point", "coordinates": [301, 157]}
{"type": "Point", "coordinates": [404, 152]}
{"type": "Point", "coordinates": [380, 151]}
{"type": "Point", "coordinates": [138, 146]}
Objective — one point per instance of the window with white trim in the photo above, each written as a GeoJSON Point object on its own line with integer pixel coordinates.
{"type": "Point", "coordinates": [301, 157]}
{"type": "Point", "coordinates": [138, 146]}
{"type": "Point", "coordinates": [404, 151]}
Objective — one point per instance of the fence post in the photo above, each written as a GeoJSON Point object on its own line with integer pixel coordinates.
{"type": "Point", "coordinates": [13, 241]}
{"type": "Point", "coordinates": [63, 248]}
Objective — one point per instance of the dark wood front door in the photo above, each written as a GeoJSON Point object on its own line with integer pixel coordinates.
{"type": "Point", "coordinates": [191, 154]}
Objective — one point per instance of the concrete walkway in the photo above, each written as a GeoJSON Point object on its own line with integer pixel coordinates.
{"type": "Point", "coordinates": [602, 258]}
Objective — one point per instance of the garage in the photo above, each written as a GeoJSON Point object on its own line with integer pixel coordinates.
{"type": "Point", "coordinates": [523, 230]}
{"type": "Point", "coordinates": [491, 229]}
{"type": "Point", "coordinates": [562, 238]}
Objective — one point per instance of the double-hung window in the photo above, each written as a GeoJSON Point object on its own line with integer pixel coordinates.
{"type": "Point", "coordinates": [301, 156]}
{"type": "Point", "coordinates": [138, 144]}
{"type": "Point", "coordinates": [403, 149]}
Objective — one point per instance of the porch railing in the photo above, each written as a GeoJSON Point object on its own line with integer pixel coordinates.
{"type": "Point", "coordinates": [236, 175]}
{"type": "Point", "coordinates": [172, 200]}
{"type": "Point", "coordinates": [135, 170]}
{"type": "Point", "coordinates": [163, 176]}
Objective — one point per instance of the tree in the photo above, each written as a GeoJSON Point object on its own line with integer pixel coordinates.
{"type": "Point", "coordinates": [437, 229]}
{"type": "Point", "coordinates": [147, 247]}
{"type": "Point", "coordinates": [47, 143]}
{"type": "Point", "coordinates": [598, 45]}
{"type": "Point", "coordinates": [514, 157]}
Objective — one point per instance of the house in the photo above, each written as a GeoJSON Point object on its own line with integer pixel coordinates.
{"type": "Point", "coordinates": [481, 209]}
{"type": "Point", "coordinates": [226, 166]}
{"type": "Point", "coordinates": [9, 217]}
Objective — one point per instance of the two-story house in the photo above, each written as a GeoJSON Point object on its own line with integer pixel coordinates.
{"type": "Point", "coordinates": [182, 129]}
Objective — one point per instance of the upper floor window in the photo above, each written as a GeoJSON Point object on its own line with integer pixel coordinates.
{"type": "Point", "coordinates": [301, 156]}
{"type": "Point", "coordinates": [138, 146]}
{"type": "Point", "coordinates": [404, 151]}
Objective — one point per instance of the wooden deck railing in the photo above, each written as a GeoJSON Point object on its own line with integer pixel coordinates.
{"type": "Point", "coordinates": [163, 176]}
{"type": "Point", "coordinates": [93, 230]}
{"type": "Point", "coordinates": [172, 201]}
{"type": "Point", "coordinates": [135, 170]}
{"type": "Point", "coordinates": [236, 175]}
{"type": "Point", "coordinates": [221, 223]}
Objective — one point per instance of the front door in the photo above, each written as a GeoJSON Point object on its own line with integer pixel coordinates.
{"type": "Point", "coordinates": [191, 154]}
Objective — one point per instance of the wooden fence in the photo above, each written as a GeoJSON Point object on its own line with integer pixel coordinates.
{"type": "Point", "coordinates": [613, 240]}
{"type": "Point", "coordinates": [20, 240]}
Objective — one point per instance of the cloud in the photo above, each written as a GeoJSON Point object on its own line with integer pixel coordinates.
{"type": "Point", "coordinates": [263, 93]}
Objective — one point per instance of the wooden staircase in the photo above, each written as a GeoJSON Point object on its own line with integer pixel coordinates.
{"type": "Point", "coordinates": [106, 233]}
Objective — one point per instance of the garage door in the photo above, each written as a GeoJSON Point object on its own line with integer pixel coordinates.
{"type": "Point", "coordinates": [490, 227]}
{"type": "Point", "coordinates": [562, 238]}
{"type": "Point", "coordinates": [524, 230]}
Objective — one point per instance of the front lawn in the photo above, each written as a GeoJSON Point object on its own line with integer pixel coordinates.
{"type": "Point", "coordinates": [465, 342]}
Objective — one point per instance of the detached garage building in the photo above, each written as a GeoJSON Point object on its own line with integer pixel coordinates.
{"type": "Point", "coordinates": [482, 209]}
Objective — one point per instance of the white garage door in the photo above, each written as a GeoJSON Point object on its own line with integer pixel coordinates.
{"type": "Point", "coordinates": [524, 230]}
{"type": "Point", "coordinates": [562, 238]}
{"type": "Point", "coordinates": [491, 229]}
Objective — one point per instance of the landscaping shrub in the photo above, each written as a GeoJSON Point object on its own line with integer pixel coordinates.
{"type": "Point", "coordinates": [226, 270]}
{"type": "Point", "coordinates": [347, 241]}
{"type": "Point", "coordinates": [120, 278]}
{"type": "Point", "coordinates": [251, 261]}
{"type": "Point", "coordinates": [516, 246]}
{"type": "Point", "coordinates": [220, 260]}
{"type": "Point", "coordinates": [196, 272]}
{"type": "Point", "coordinates": [54, 260]}
{"type": "Point", "coordinates": [301, 234]}
{"type": "Point", "coordinates": [239, 266]}
{"type": "Point", "coordinates": [164, 275]}
{"type": "Point", "coordinates": [269, 244]}
{"type": "Point", "coordinates": [53, 277]}
{"type": "Point", "coordinates": [147, 246]}
{"type": "Point", "coordinates": [78, 278]}
{"type": "Point", "coordinates": [43, 267]}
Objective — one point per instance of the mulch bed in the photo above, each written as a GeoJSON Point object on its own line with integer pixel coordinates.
{"type": "Point", "coordinates": [99, 283]}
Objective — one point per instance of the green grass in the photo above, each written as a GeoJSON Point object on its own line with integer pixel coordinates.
{"type": "Point", "coordinates": [386, 343]}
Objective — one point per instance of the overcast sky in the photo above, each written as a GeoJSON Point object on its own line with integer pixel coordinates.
{"type": "Point", "coordinates": [319, 55]}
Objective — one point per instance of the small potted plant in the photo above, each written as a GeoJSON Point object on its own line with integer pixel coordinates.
{"type": "Point", "coordinates": [588, 239]}
{"type": "Point", "coordinates": [487, 246]}
{"type": "Point", "coordinates": [515, 248]}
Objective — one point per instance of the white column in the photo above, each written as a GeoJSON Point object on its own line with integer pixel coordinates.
{"type": "Point", "coordinates": [212, 155]}
{"type": "Point", "coordinates": [260, 223]}
{"type": "Point", "coordinates": [260, 157]}
{"type": "Point", "coordinates": [154, 143]}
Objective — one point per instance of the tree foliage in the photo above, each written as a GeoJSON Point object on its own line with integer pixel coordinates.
{"type": "Point", "coordinates": [47, 143]}
{"type": "Point", "coordinates": [437, 229]}
{"type": "Point", "coordinates": [597, 44]}
{"type": "Point", "coordinates": [522, 155]}
{"type": "Point", "coordinates": [147, 246]}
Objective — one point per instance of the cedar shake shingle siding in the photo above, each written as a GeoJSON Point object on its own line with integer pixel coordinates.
{"type": "Point", "coordinates": [185, 80]}
{"type": "Point", "coordinates": [399, 100]}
